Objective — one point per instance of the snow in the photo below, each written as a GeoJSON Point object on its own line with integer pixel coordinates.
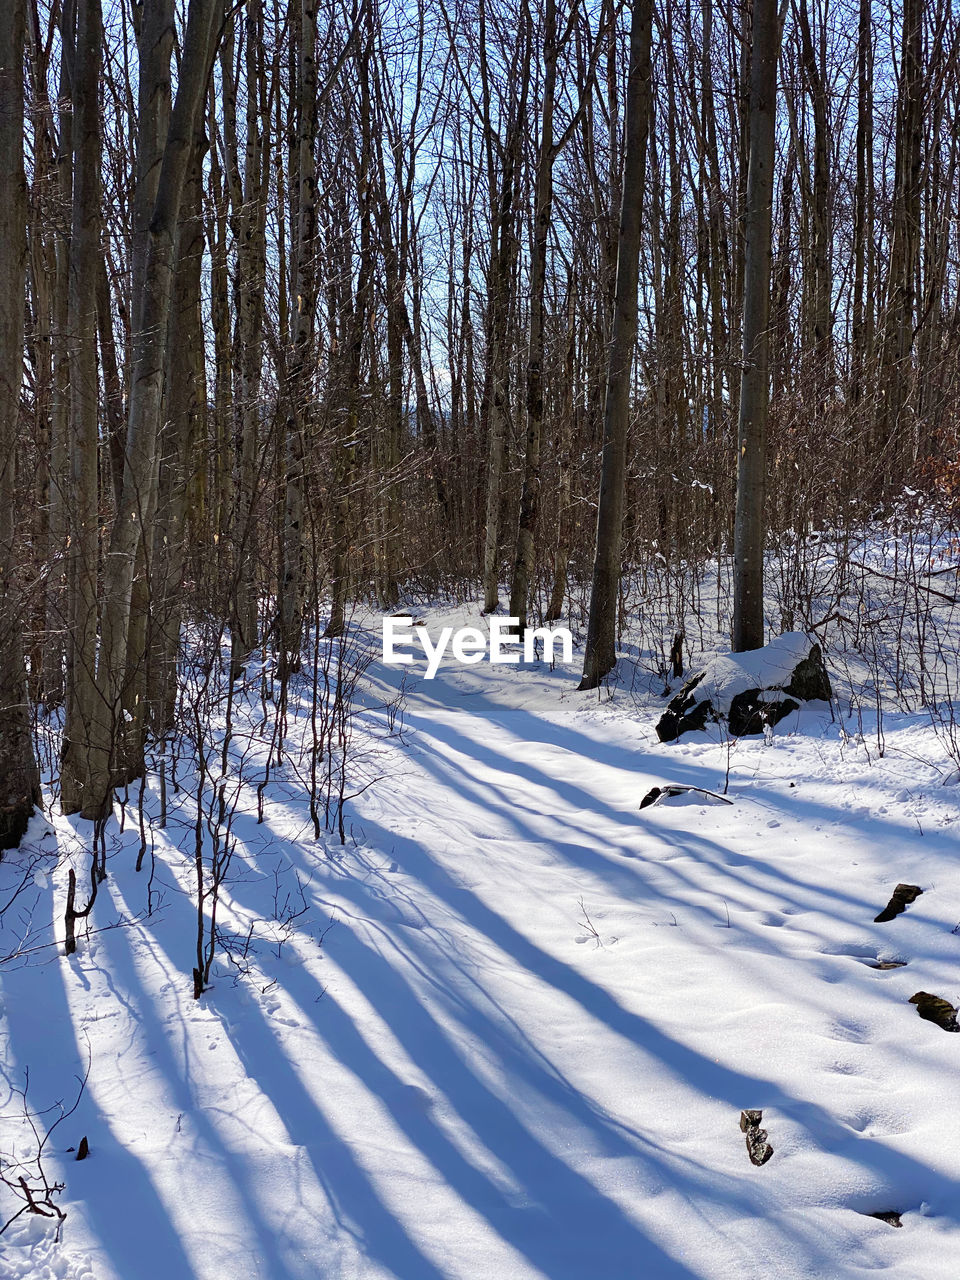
{"type": "Point", "coordinates": [727, 674]}
{"type": "Point", "coordinates": [513, 1031]}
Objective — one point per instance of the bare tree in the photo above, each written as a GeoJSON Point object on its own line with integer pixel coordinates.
{"type": "Point", "coordinates": [151, 311]}
{"type": "Point", "coordinates": [83, 491]}
{"type": "Point", "coordinates": [19, 779]}
{"type": "Point", "coordinates": [748, 627]}
{"type": "Point", "coordinates": [600, 655]}
{"type": "Point", "coordinates": [503, 155]}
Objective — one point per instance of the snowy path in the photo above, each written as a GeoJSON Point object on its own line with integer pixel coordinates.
{"type": "Point", "coordinates": [524, 1045]}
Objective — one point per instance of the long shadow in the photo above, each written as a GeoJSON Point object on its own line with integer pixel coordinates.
{"type": "Point", "coordinates": [357, 1208]}
{"type": "Point", "coordinates": [630, 875]}
{"type": "Point", "coordinates": [695, 775]}
{"type": "Point", "coordinates": [802, 894]}
{"type": "Point", "coordinates": [347, 1188]}
{"type": "Point", "coordinates": [531, 728]}
{"type": "Point", "coordinates": [120, 1200]}
{"type": "Point", "coordinates": [704, 851]}
{"type": "Point", "coordinates": [535, 1219]}
{"type": "Point", "coordinates": [436, 1054]}
{"type": "Point", "coordinates": [119, 971]}
{"type": "Point", "coordinates": [701, 1073]}
{"type": "Point", "coordinates": [538, 1227]}
{"type": "Point", "coordinates": [680, 1058]}
{"type": "Point", "coordinates": [859, 911]}
{"type": "Point", "coordinates": [551, 1192]}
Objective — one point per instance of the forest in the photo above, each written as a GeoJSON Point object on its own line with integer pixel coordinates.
{"type": "Point", "coordinates": [326, 319]}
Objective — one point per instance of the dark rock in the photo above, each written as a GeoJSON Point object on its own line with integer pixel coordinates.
{"type": "Point", "coordinates": [810, 680]}
{"type": "Point", "coordinates": [758, 1148]}
{"type": "Point", "coordinates": [750, 691]}
{"type": "Point", "coordinates": [750, 713]}
{"type": "Point", "coordinates": [901, 898]}
{"type": "Point", "coordinates": [889, 1216]}
{"type": "Point", "coordinates": [936, 1009]}
{"type": "Point", "coordinates": [684, 713]}
{"type": "Point", "coordinates": [652, 796]}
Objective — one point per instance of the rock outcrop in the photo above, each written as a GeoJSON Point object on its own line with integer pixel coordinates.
{"type": "Point", "coordinates": [749, 691]}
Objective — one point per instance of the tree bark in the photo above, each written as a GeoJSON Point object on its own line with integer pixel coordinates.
{"type": "Point", "coordinates": [495, 411]}
{"type": "Point", "coordinates": [151, 313]}
{"type": "Point", "coordinates": [561, 553]}
{"type": "Point", "coordinates": [820, 287]}
{"type": "Point", "coordinates": [862, 327]}
{"type": "Point", "coordinates": [304, 311]}
{"type": "Point", "coordinates": [748, 630]}
{"type": "Point", "coordinates": [19, 779]}
{"type": "Point", "coordinates": [251, 268]}
{"type": "Point", "coordinates": [82, 503]}
{"type": "Point", "coordinates": [600, 656]}
{"type": "Point", "coordinates": [896, 442]}
{"type": "Point", "coordinates": [523, 566]}
{"type": "Point", "coordinates": [184, 415]}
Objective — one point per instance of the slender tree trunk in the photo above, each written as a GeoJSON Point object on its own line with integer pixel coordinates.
{"type": "Point", "coordinates": [56, 646]}
{"type": "Point", "coordinates": [151, 314]}
{"type": "Point", "coordinates": [748, 630]}
{"type": "Point", "coordinates": [304, 310]}
{"type": "Point", "coordinates": [349, 416]}
{"type": "Point", "coordinates": [523, 567]}
{"type": "Point", "coordinates": [112, 386]}
{"type": "Point", "coordinates": [390, 445]}
{"type": "Point", "coordinates": [819, 266]}
{"type": "Point", "coordinates": [185, 409]}
{"type": "Point", "coordinates": [251, 271]}
{"type": "Point", "coordinates": [82, 504]}
{"type": "Point", "coordinates": [19, 779]}
{"type": "Point", "coordinates": [41, 277]}
{"type": "Point", "coordinates": [223, 448]}
{"type": "Point", "coordinates": [503, 251]}
{"type": "Point", "coordinates": [897, 424]}
{"type": "Point", "coordinates": [600, 656]}
{"type": "Point", "coordinates": [497, 387]}
{"type": "Point", "coordinates": [861, 358]}
{"type": "Point", "coordinates": [561, 554]}
{"type": "Point", "coordinates": [719, 259]}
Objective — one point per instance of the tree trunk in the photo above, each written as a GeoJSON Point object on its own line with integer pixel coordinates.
{"type": "Point", "coordinates": [185, 408]}
{"type": "Point", "coordinates": [222, 498]}
{"type": "Point", "coordinates": [821, 282]}
{"type": "Point", "coordinates": [19, 779]}
{"type": "Point", "coordinates": [523, 567]}
{"type": "Point", "coordinates": [600, 656]}
{"type": "Point", "coordinates": [251, 266]}
{"type": "Point", "coordinates": [561, 553]}
{"type": "Point", "coordinates": [304, 309]}
{"type": "Point", "coordinates": [151, 313]}
{"type": "Point", "coordinates": [348, 415]}
{"type": "Point", "coordinates": [503, 251]}
{"type": "Point", "coordinates": [748, 632]}
{"type": "Point", "coordinates": [897, 434]}
{"type": "Point", "coordinates": [862, 321]}
{"type": "Point", "coordinates": [82, 502]}
{"type": "Point", "coordinates": [52, 186]}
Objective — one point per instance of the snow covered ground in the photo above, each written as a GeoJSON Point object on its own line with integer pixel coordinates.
{"type": "Point", "coordinates": [513, 1031]}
